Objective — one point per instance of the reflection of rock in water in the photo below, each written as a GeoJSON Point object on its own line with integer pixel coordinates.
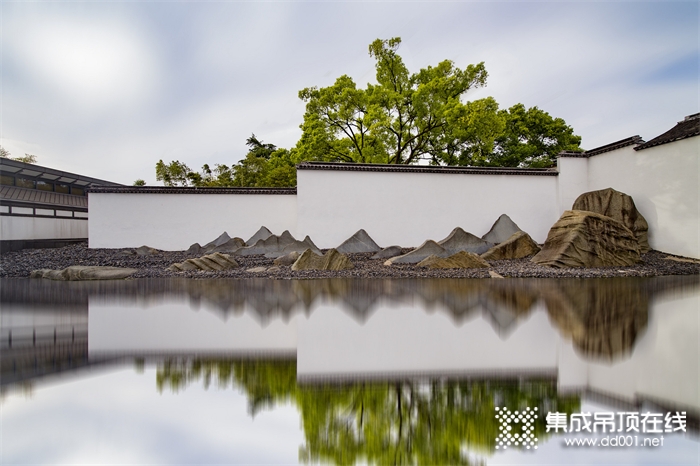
{"type": "Point", "coordinates": [603, 317]}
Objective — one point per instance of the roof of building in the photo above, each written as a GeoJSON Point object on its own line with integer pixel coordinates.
{"type": "Point", "coordinates": [687, 128]}
{"type": "Point", "coordinates": [602, 149]}
{"type": "Point", "coordinates": [36, 196]}
{"type": "Point", "coordinates": [376, 167]}
{"type": "Point", "coordinates": [14, 167]}
{"type": "Point", "coordinates": [186, 190]}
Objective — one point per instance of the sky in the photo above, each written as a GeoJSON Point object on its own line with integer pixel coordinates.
{"type": "Point", "coordinates": [106, 89]}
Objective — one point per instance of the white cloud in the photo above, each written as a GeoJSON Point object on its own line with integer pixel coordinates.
{"type": "Point", "coordinates": [98, 64]}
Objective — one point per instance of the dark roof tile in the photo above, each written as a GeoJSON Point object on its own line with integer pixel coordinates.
{"type": "Point", "coordinates": [14, 193]}
{"type": "Point", "coordinates": [687, 128]}
{"type": "Point", "coordinates": [375, 167]}
{"type": "Point", "coordinates": [187, 190]}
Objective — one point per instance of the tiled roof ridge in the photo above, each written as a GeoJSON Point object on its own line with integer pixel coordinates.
{"type": "Point", "coordinates": [19, 194]}
{"type": "Point", "coordinates": [615, 145]}
{"type": "Point", "coordinates": [11, 167]}
{"type": "Point", "coordinates": [186, 190]}
{"type": "Point", "coordinates": [376, 167]}
{"type": "Point", "coordinates": [688, 127]}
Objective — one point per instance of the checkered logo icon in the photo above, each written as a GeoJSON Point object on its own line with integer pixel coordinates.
{"type": "Point", "coordinates": [517, 428]}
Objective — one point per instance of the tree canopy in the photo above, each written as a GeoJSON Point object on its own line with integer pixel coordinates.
{"type": "Point", "coordinates": [407, 117]}
{"type": "Point", "coordinates": [403, 118]}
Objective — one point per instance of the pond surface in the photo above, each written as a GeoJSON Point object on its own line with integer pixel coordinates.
{"type": "Point", "coordinates": [386, 371]}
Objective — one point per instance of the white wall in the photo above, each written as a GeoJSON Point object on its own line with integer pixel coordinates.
{"type": "Point", "coordinates": [663, 181]}
{"type": "Point", "coordinates": [175, 221]}
{"type": "Point", "coordinates": [16, 228]}
{"type": "Point", "coordinates": [409, 208]}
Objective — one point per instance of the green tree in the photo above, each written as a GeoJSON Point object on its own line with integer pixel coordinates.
{"type": "Point", "coordinates": [173, 174]}
{"type": "Point", "coordinates": [28, 158]}
{"type": "Point", "coordinates": [530, 138]}
{"type": "Point", "coordinates": [139, 182]}
{"type": "Point", "coordinates": [263, 166]}
{"type": "Point", "coordinates": [399, 120]}
{"type": "Point", "coordinates": [406, 117]}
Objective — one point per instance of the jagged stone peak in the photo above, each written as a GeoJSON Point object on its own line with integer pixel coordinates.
{"type": "Point", "coordinates": [262, 233]}
{"type": "Point", "coordinates": [359, 242]}
{"type": "Point", "coordinates": [426, 249]}
{"type": "Point", "coordinates": [223, 237]}
{"type": "Point", "coordinates": [501, 230]}
{"type": "Point", "coordinates": [460, 240]}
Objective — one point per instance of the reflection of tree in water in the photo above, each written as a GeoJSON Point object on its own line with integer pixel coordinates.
{"type": "Point", "coordinates": [379, 422]}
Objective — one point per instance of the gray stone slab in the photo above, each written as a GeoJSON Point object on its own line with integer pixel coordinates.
{"type": "Point", "coordinates": [501, 230]}
{"type": "Point", "coordinates": [359, 242]}
{"type": "Point", "coordinates": [262, 233]}
{"type": "Point", "coordinates": [429, 248]}
{"type": "Point", "coordinates": [460, 240]}
{"type": "Point", "coordinates": [388, 252]}
{"type": "Point", "coordinates": [223, 237]}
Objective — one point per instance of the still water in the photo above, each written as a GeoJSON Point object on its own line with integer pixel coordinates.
{"type": "Point", "coordinates": [346, 371]}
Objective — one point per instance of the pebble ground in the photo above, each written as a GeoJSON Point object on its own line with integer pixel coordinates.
{"type": "Point", "coordinates": [21, 263]}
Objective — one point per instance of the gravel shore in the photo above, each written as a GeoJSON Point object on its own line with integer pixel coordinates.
{"type": "Point", "coordinates": [21, 263]}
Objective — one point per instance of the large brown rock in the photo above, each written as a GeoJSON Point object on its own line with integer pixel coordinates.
{"type": "Point", "coordinates": [619, 206]}
{"type": "Point", "coordinates": [460, 260]}
{"type": "Point", "coordinates": [212, 262]}
{"type": "Point", "coordinates": [517, 246]}
{"type": "Point", "coordinates": [79, 272]}
{"type": "Point", "coordinates": [332, 260]}
{"type": "Point", "coordinates": [586, 239]}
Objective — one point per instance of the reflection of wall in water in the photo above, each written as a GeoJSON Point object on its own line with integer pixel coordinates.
{"type": "Point", "coordinates": [602, 335]}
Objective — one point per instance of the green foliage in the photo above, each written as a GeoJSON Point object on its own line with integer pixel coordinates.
{"type": "Point", "coordinates": [402, 422]}
{"type": "Point", "coordinates": [407, 117]}
{"type": "Point", "coordinates": [263, 166]}
{"type": "Point", "coordinates": [173, 174]}
{"type": "Point", "coordinates": [28, 158]}
{"type": "Point", "coordinates": [403, 118]}
{"type": "Point", "coordinates": [139, 182]}
{"type": "Point", "coordinates": [399, 120]}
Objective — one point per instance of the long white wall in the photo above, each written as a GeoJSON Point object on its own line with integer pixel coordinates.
{"type": "Point", "coordinates": [30, 228]}
{"type": "Point", "coordinates": [175, 221]}
{"type": "Point", "coordinates": [408, 208]}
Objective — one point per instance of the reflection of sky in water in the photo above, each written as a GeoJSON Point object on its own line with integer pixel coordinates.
{"type": "Point", "coordinates": [622, 342]}
{"type": "Point", "coordinates": [119, 417]}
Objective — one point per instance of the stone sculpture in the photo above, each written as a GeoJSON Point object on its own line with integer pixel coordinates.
{"type": "Point", "coordinates": [212, 262]}
{"type": "Point", "coordinates": [619, 206]}
{"type": "Point", "coordinates": [388, 252]}
{"type": "Point", "coordinates": [262, 233]}
{"type": "Point", "coordinates": [586, 239]}
{"type": "Point", "coordinates": [359, 242]}
{"type": "Point", "coordinates": [429, 248]}
{"type": "Point", "coordinates": [332, 260]}
{"type": "Point", "coordinates": [460, 240]}
{"type": "Point", "coordinates": [460, 260]}
{"type": "Point", "coordinates": [517, 246]}
{"type": "Point", "coordinates": [79, 272]}
{"type": "Point", "coordinates": [501, 230]}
